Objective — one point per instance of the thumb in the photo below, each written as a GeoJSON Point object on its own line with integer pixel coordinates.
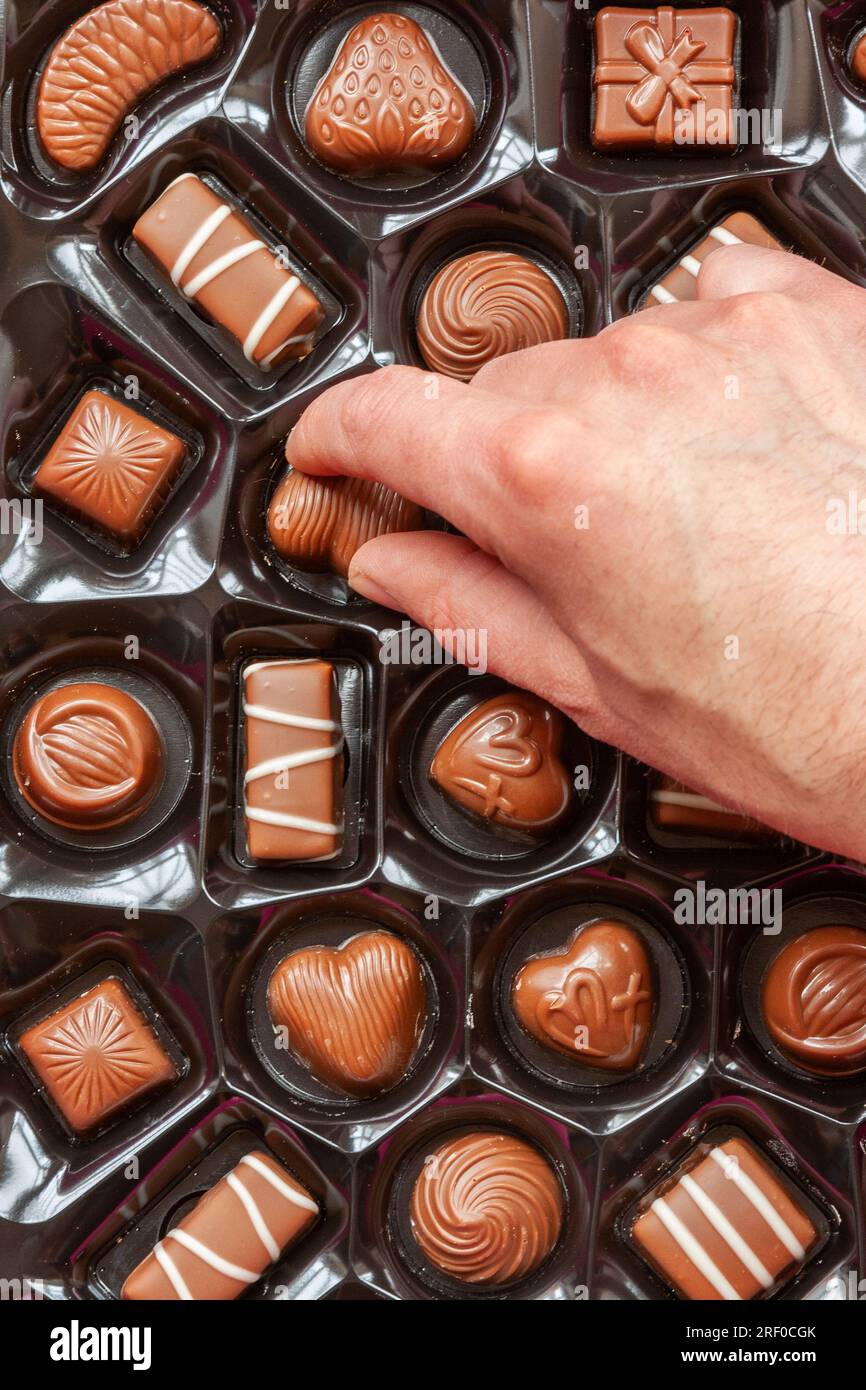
{"type": "Point", "coordinates": [446, 584]}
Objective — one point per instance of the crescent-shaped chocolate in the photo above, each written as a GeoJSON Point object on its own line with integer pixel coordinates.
{"type": "Point", "coordinates": [87, 757]}
{"type": "Point", "coordinates": [106, 62]}
{"type": "Point", "coordinates": [317, 524]}
{"type": "Point", "coordinates": [486, 1208]}
{"type": "Point", "coordinates": [484, 305]}
{"type": "Point", "coordinates": [353, 1015]}
{"type": "Point", "coordinates": [814, 1000]}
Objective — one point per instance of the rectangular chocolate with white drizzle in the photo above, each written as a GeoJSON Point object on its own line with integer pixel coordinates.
{"type": "Point", "coordinates": [232, 1235]}
{"type": "Point", "coordinates": [293, 764]}
{"type": "Point", "coordinates": [727, 1225]}
{"type": "Point", "coordinates": [213, 256]}
{"type": "Point", "coordinates": [680, 283]}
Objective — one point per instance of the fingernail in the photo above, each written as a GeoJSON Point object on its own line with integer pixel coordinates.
{"type": "Point", "coordinates": [371, 588]}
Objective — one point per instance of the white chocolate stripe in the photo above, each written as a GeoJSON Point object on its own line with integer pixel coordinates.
{"type": "Point", "coordinates": [729, 1234]}
{"type": "Point", "coordinates": [268, 314]}
{"type": "Point", "coordinates": [287, 342]}
{"type": "Point", "coordinates": [662, 295]}
{"type": "Point", "coordinates": [315, 827]}
{"type": "Point", "coordinates": [750, 1189]}
{"type": "Point", "coordinates": [199, 239]}
{"type": "Point", "coordinates": [210, 1257]}
{"type": "Point", "coordinates": [694, 1251]}
{"type": "Point", "coordinates": [725, 237]}
{"type": "Point", "coordinates": [290, 760]}
{"type": "Point", "coordinates": [257, 1221]}
{"type": "Point", "coordinates": [300, 1199]}
{"type": "Point", "coordinates": [292, 721]}
{"type": "Point", "coordinates": [172, 1273]}
{"type": "Point", "coordinates": [291, 661]}
{"type": "Point", "coordinates": [691, 265]}
{"type": "Point", "coordinates": [210, 272]}
{"type": "Point", "coordinates": [690, 799]}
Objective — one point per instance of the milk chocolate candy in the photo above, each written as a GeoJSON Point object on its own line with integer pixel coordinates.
{"type": "Point", "coordinates": [97, 1056]}
{"type": "Point", "coordinates": [293, 766]}
{"type": "Point", "coordinates": [813, 1000]}
{"type": "Point", "coordinates": [229, 1239]}
{"type": "Point", "coordinates": [212, 256]}
{"type": "Point", "coordinates": [388, 103]}
{"type": "Point", "coordinates": [353, 1015]}
{"type": "Point", "coordinates": [675, 808]}
{"type": "Point", "coordinates": [486, 1208]}
{"type": "Point", "coordinates": [317, 524]}
{"type": "Point", "coordinates": [110, 467]}
{"type": "Point", "coordinates": [680, 283]}
{"type": "Point", "coordinates": [592, 1001]}
{"type": "Point", "coordinates": [107, 62]}
{"type": "Point", "coordinates": [664, 79]}
{"type": "Point", "coordinates": [480, 306]}
{"type": "Point", "coordinates": [726, 1226]}
{"type": "Point", "coordinates": [857, 60]}
{"type": "Point", "coordinates": [502, 763]}
{"type": "Point", "coordinates": [87, 757]}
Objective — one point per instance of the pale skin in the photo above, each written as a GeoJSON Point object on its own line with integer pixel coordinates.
{"type": "Point", "coordinates": [707, 620]}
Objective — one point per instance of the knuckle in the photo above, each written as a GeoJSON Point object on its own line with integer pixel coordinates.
{"type": "Point", "coordinates": [527, 450]}
{"type": "Point", "coordinates": [761, 312]}
{"type": "Point", "coordinates": [641, 351]}
{"type": "Point", "coordinates": [369, 403]}
{"type": "Point", "coordinates": [443, 604]}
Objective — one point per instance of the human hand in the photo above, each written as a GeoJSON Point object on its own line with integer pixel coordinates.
{"type": "Point", "coordinates": [708, 619]}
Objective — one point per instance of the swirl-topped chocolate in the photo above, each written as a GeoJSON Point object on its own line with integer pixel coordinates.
{"type": "Point", "coordinates": [481, 306]}
{"type": "Point", "coordinates": [486, 1208]}
{"type": "Point", "coordinates": [87, 757]}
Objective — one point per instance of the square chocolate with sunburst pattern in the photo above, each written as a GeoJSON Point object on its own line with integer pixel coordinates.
{"type": "Point", "coordinates": [97, 1056]}
{"type": "Point", "coordinates": [111, 468]}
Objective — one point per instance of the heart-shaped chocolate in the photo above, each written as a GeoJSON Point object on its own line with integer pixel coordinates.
{"type": "Point", "coordinates": [502, 763]}
{"type": "Point", "coordinates": [593, 1001]}
{"type": "Point", "coordinates": [353, 1015]}
{"type": "Point", "coordinates": [317, 524]}
{"type": "Point", "coordinates": [388, 103]}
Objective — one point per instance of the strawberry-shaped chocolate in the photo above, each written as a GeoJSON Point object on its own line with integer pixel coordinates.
{"type": "Point", "coordinates": [502, 763]}
{"type": "Point", "coordinates": [388, 103]}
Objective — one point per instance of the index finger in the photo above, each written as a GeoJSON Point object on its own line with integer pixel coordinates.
{"type": "Point", "coordinates": [457, 450]}
{"type": "Point", "coordinates": [729, 271]}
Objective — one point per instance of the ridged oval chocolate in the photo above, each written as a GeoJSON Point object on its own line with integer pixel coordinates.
{"type": "Point", "coordinates": [388, 103]}
{"type": "Point", "coordinates": [486, 1207]}
{"type": "Point", "coordinates": [484, 305]}
{"type": "Point", "coordinates": [353, 1015]}
{"type": "Point", "coordinates": [88, 757]}
{"type": "Point", "coordinates": [318, 524]}
{"type": "Point", "coordinates": [106, 62]}
{"type": "Point", "coordinates": [814, 1000]}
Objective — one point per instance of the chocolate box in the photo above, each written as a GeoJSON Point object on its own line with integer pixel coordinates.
{"type": "Point", "coordinates": [562, 152]}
